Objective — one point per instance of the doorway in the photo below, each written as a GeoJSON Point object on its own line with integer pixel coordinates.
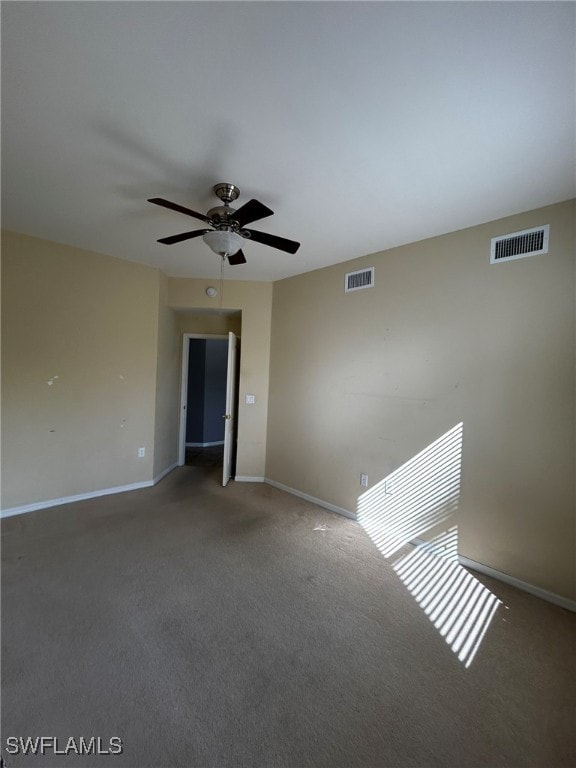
{"type": "Point", "coordinates": [209, 402]}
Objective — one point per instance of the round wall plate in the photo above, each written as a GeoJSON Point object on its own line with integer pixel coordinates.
{"type": "Point", "coordinates": [210, 291]}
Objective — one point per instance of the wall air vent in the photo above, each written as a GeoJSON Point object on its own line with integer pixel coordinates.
{"type": "Point", "coordinates": [356, 281]}
{"type": "Point", "coordinates": [519, 245]}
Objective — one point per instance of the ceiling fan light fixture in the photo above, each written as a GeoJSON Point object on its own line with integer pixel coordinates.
{"type": "Point", "coordinates": [223, 242]}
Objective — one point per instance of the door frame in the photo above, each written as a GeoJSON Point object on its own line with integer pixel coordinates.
{"type": "Point", "coordinates": [231, 414]}
{"type": "Point", "coordinates": [184, 387]}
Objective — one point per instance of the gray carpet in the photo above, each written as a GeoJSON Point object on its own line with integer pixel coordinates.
{"type": "Point", "coordinates": [213, 627]}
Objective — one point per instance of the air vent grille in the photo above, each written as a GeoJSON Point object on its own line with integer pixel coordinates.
{"type": "Point", "coordinates": [519, 245]}
{"type": "Point", "coordinates": [357, 281]}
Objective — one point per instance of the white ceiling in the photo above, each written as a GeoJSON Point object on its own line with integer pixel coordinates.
{"type": "Point", "coordinates": [362, 125]}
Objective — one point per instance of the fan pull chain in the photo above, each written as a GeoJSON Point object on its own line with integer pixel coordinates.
{"type": "Point", "coordinates": [221, 280]}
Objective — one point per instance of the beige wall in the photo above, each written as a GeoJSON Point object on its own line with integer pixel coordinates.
{"type": "Point", "coordinates": [210, 323]}
{"type": "Point", "coordinates": [91, 349]}
{"type": "Point", "coordinates": [362, 382]}
{"type": "Point", "coordinates": [79, 352]}
{"type": "Point", "coordinates": [254, 300]}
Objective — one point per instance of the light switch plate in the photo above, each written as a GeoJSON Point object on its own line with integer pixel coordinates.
{"type": "Point", "coordinates": [250, 399]}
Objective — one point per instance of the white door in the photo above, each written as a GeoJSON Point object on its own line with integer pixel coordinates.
{"type": "Point", "coordinates": [230, 415]}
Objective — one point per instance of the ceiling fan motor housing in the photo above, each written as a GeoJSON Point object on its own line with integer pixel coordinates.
{"type": "Point", "coordinates": [221, 217]}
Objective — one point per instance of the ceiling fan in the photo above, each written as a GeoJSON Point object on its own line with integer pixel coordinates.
{"type": "Point", "coordinates": [228, 225]}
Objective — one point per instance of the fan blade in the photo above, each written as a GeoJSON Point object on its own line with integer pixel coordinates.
{"type": "Point", "coordinates": [237, 258]}
{"type": "Point", "coordinates": [184, 236]}
{"type": "Point", "coordinates": [178, 208]}
{"type": "Point", "coordinates": [251, 211]}
{"type": "Point", "coordinates": [290, 246]}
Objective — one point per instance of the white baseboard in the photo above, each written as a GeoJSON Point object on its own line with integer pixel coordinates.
{"type": "Point", "coordinates": [204, 445]}
{"type": "Point", "coordinates": [10, 512]}
{"type": "Point", "coordinates": [551, 597]}
{"type": "Point", "coordinates": [312, 499]}
{"type": "Point", "coordinates": [71, 499]}
{"type": "Point", "coordinates": [246, 479]}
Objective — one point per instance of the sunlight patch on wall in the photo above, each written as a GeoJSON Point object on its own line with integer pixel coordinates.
{"type": "Point", "coordinates": [421, 495]}
{"type": "Point", "coordinates": [416, 497]}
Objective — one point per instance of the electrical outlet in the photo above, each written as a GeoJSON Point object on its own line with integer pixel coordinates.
{"type": "Point", "coordinates": [364, 480]}
{"type": "Point", "coordinates": [141, 453]}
